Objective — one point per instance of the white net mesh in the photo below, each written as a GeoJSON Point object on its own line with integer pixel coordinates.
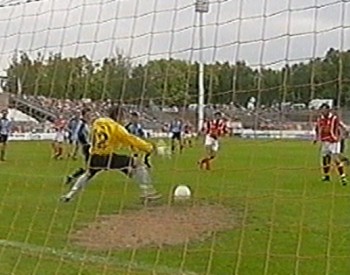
{"type": "Point", "coordinates": [264, 62]}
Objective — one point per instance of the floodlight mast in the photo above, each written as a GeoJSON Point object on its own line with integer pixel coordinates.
{"type": "Point", "coordinates": [201, 7]}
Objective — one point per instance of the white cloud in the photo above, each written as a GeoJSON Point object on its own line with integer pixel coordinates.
{"type": "Point", "coordinates": [256, 31]}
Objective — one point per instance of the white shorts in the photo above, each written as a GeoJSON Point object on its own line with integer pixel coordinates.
{"type": "Point", "coordinates": [330, 148]}
{"type": "Point", "coordinates": [211, 142]}
{"type": "Point", "coordinates": [187, 135]}
{"type": "Point", "coordinates": [59, 137]}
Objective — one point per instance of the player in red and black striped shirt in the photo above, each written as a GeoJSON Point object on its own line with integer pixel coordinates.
{"type": "Point", "coordinates": [213, 130]}
{"type": "Point", "coordinates": [328, 132]}
{"type": "Point", "coordinates": [344, 134]}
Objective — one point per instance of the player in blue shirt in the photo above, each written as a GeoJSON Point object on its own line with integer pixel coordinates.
{"type": "Point", "coordinates": [134, 127]}
{"type": "Point", "coordinates": [5, 130]}
{"type": "Point", "coordinates": [83, 140]}
{"type": "Point", "coordinates": [175, 129]}
{"type": "Point", "coordinates": [73, 129]}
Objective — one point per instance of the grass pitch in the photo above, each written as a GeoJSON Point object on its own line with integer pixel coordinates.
{"type": "Point", "coordinates": [289, 222]}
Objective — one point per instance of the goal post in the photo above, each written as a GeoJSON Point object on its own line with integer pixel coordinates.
{"type": "Point", "coordinates": [266, 65]}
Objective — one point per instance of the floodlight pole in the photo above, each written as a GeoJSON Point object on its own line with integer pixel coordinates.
{"type": "Point", "coordinates": [201, 6]}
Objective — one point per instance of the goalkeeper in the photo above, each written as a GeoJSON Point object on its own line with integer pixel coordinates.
{"type": "Point", "coordinates": [107, 136]}
{"type": "Point", "coordinates": [133, 127]}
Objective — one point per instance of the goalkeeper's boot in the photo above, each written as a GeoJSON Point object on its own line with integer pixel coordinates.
{"type": "Point", "coordinates": [326, 178]}
{"type": "Point", "coordinates": [343, 180]}
{"type": "Point", "coordinates": [154, 196]}
{"type": "Point", "coordinates": [151, 196]}
{"type": "Point", "coordinates": [69, 180]}
{"type": "Point", "coordinates": [65, 198]}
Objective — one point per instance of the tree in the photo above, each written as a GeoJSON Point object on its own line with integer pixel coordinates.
{"type": "Point", "coordinates": [175, 82]}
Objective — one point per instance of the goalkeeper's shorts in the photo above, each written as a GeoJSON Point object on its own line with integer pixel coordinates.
{"type": "Point", "coordinates": [113, 161]}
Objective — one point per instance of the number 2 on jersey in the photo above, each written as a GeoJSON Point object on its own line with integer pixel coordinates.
{"type": "Point", "coordinates": [100, 139]}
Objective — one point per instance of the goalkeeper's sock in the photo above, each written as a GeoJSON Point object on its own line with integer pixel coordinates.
{"type": "Point", "coordinates": [141, 175]}
{"type": "Point", "coordinates": [79, 184]}
{"type": "Point", "coordinates": [143, 178]}
{"type": "Point", "coordinates": [75, 175]}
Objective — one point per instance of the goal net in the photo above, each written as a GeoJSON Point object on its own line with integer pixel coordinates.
{"type": "Point", "coordinates": [266, 66]}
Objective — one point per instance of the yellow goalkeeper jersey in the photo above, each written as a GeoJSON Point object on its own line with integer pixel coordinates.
{"type": "Point", "coordinates": [108, 136]}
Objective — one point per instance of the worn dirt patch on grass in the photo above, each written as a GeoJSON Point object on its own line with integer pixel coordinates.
{"type": "Point", "coordinates": [156, 226]}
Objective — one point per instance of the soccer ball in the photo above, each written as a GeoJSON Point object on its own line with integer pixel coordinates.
{"type": "Point", "coordinates": [182, 192]}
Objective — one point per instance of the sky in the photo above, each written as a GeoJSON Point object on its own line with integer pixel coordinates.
{"type": "Point", "coordinates": [267, 33]}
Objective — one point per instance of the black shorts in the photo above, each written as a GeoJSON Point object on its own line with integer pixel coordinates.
{"type": "Point", "coordinates": [122, 163]}
{"type": "Point", "coordinates": [4, 138]}
{"type": "Point", "coordinates": [176, 136]}
{"type": "Point", "coordinates": [342, 145]}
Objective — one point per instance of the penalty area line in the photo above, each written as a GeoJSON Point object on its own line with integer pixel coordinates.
{"type": "Point", "coordinates": [94, 259]}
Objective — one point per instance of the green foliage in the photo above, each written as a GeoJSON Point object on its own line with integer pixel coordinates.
{"type": "Point", "coordinates": [171, 81]}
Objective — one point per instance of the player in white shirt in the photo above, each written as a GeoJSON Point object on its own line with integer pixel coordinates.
{"type": "Point", "coordinates": [5, 130]}
{"type": "Point", "coordinates": [59, 138]}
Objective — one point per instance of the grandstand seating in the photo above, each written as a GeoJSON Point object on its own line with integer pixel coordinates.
{"type": "Point", "coordinates": [31, 109]}
{"type": "Point", "coordinates": [48, 109]}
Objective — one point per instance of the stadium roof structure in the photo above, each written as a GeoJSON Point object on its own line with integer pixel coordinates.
{"type": "Point", "coordinates": [19, 116]}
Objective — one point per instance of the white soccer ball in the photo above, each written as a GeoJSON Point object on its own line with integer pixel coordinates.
{"type": "Point", "coordinates": [182, 192]}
